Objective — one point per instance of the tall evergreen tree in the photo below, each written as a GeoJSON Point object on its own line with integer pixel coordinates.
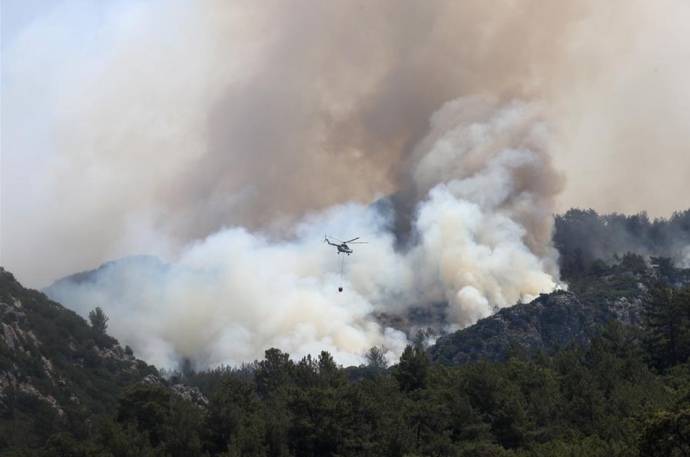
{"type": "Point", "coordinates": [667, 315]}
{"type": "Point", "coordinates": [98, 319]}
{"type": "Point", "coordinates": [413, 369]}
{"type": "Point", "coordinates": [376, 358]}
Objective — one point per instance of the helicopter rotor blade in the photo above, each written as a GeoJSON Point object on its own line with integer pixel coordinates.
{"type": "Point", "coordinates": [353, 239]}
{"type": "Point", "coordinates": [358, 242]}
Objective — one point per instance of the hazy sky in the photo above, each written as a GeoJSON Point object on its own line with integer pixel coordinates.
{"type": "Point", "coordinates": [138, 126]}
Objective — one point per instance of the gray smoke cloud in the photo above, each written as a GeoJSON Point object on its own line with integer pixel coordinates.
{"type": "Point", "coordinates": [153, 127]}
{"type": "Point", "coordinates": [230, 296]}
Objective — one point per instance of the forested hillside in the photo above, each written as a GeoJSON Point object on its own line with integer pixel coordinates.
{"type": "Point", "coordinates": [625, 393]}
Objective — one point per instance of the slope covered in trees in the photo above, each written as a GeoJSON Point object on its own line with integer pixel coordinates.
{"type": "Point", "coordinates": [624, 393]}
{"type": "Point", "coordinates": [604, 400]}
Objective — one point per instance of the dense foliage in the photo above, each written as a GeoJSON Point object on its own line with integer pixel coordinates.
{"type": "Point", "coordinates": [98, 319]}
{"type": "Point", "coordinates": [608, 399]}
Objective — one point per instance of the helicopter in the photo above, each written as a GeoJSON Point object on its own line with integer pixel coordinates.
{"type": "Point", "coordinates": [342, 246]}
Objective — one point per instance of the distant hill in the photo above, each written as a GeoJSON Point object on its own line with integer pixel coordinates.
{"type": "Point", "coordinates": [56, 371]}
{"type": "Point", "coordinates": [137, 261]}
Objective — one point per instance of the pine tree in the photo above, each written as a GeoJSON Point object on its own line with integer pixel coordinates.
{"type": "Point", "coordinates": [376, 358]}
{"type": "Point", "coordinates": [413, 369]}
{"type": "Point", "coordinates": [274, 372]}
{"type": "Point", "coordinates": [667, 315]}
{"type": "Point", "coordinates": [98, 319]}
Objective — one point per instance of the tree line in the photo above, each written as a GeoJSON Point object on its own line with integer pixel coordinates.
{"type": "Point", "coordinates": [585, 238]}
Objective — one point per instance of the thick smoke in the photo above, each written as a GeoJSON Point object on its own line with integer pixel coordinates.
{"type": "Point", "coordinates": [482, 180]}
{"type": "Point", "coordinates": [135, 126]}
{"type": "Point", "coordinates": [172, 128]}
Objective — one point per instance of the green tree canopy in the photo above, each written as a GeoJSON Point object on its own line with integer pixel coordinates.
{"type": "Point", "coordinates": [98, 319]}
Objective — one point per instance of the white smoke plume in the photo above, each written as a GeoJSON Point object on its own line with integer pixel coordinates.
{"type": "Point", "coordinates": [232, 295]}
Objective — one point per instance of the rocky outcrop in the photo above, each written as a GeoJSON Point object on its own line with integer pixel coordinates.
{"type": "Point", "coordinates": [191, 394]}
